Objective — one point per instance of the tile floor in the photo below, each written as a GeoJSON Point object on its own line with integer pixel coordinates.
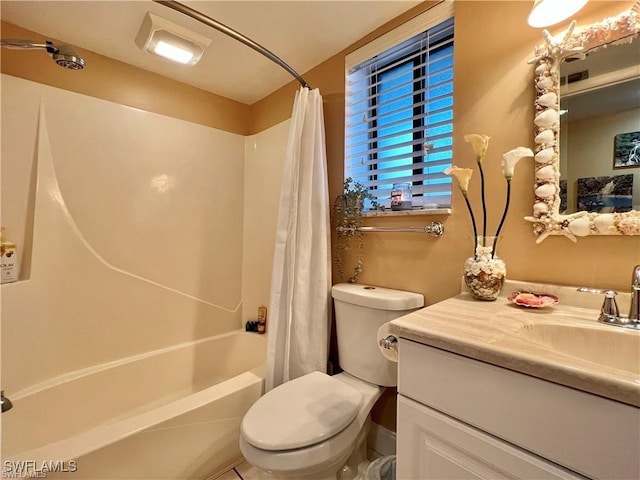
{"type": "Point", "coordinates": [244, 471]}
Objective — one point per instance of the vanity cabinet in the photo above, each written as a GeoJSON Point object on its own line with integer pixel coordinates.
{"type": "Point", "coordinates": [435, 446]}
{"type": "Point", "coordinates": [460, 418]}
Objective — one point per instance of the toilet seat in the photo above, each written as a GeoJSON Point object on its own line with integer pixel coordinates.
{"type": "Point", "coordinates": [303, 461]}
{"type": "Point", "coordinates": [332, 452]}
{"type": "Point", "coordinates": [300, 413]}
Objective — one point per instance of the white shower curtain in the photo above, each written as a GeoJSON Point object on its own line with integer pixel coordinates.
{"type": "Point", "coordinates": [299, 304]}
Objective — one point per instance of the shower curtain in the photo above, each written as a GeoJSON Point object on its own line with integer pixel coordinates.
{"type": "Point", "coordinates": [299, 305]}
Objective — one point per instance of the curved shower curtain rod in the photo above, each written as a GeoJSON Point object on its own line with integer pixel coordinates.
{"type": "Point", "coordinates": [177, 6]}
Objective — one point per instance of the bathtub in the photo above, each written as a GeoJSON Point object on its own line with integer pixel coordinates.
{"type": "Point", "coordinates": [173, 413]}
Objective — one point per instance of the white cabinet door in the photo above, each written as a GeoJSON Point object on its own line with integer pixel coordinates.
{"type": "Point", "coordinates": [434, 446]}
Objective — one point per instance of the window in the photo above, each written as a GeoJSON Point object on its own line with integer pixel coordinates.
{"type": "Point", "coordinates": [399, 111]}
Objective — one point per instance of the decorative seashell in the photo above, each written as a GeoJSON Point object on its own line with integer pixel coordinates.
{"type": "Point", "coordinates": [580, 227]}
{"type": "Point", "coordinates": [545, 190]}
{"type": "Point", "coordinates": [540, 208]}
{"type": "Point", "coordinates": [541, 68]}
{"type": "Point", "coordinates": [544, 83]}
{"type": "Point", "coordinates": [545, 137]}
{"type": "Point", "coordinates": [546, 173]}
{"type": "Point", "coordinates": [547, 118]}
{"type": "Point", "coordinates": [548, 99]}
{"type": "Point", "coordinates": [545, 155]}
{"type": "Point", "coordinates": [604, 222]}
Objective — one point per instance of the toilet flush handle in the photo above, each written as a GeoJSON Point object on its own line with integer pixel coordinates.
{"type": "Point", "coordinates": [389, 343]}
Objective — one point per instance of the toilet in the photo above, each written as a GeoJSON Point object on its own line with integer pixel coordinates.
{"type": "Point", "coordinates": [315, 426]}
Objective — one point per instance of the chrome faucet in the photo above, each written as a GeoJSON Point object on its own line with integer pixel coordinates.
{"type": "Point", "coordinates": [634, 310]}
{"type": "Point", "coordinates": [610, 314]}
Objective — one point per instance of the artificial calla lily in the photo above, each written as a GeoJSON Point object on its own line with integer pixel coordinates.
{"type": "Point", "coordinates": [480, 144]}
{"type": "Point", "coordinates": [463, 175]}
{"type": "Point", "coordinates": [511, 158]}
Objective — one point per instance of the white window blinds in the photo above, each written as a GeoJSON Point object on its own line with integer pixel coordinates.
{"type": "Point", "coordinates": [399, 118]}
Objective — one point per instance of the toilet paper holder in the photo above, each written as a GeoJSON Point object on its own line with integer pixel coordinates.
{"type": "Point", "coordinates": [389, 343]}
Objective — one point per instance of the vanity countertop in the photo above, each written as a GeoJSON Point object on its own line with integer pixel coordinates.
{"type": "Point", "coordinates": [499, 333]}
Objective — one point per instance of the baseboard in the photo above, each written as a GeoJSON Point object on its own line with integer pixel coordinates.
{"type": "Point", "coordinates": [381, 441]}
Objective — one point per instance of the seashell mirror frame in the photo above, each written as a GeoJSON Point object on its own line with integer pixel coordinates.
{"type": "Point", "coordinates": [547, 219]}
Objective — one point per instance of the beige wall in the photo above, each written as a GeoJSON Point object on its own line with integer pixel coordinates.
{"type": "Point", "coordinates": [591, 141]}
{"type": "Point", "coordinates": [122, 83]}
{"type": "Point", "coordinates": [494, 96]}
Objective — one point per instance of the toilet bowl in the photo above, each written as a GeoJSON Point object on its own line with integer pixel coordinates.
{"type": "Point", "coordinates": [315, 426]}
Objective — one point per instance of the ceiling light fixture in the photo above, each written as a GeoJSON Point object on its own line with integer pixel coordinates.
{"type": "Point", "coordinates": [169, 40]}
{"type": "Point", "coordinates": [549, 12]}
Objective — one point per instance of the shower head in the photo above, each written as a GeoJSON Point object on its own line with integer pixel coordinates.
{"type": "Point", "coordinates": [63, 55]}
{"type": "Point", "coordinates": [68, 58]}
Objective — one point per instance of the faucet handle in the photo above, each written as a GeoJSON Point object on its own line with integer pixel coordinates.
{"type": "Point", "coordinates": [609, 306]}
{"type": "Point", "coordinates": [634, 310]}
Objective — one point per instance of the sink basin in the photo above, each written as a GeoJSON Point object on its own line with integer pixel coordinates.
{"type": "Point", "coordinates": [609, 346]}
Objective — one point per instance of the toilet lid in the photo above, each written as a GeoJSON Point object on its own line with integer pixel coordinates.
{"type": "Point", "coordinates": [301, 412]}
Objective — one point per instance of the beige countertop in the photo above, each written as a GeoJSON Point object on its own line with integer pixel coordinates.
{"type": "Point", "coordinates": [590, 356]}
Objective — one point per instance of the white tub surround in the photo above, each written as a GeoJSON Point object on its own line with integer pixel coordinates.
{"type": "Point", "coordinates": [133, 232]}
{"type": "Point", "coordinates": [120, 340]}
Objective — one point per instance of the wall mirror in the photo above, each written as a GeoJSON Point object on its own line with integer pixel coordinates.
{"type": "Point", "coordinates": [587, 81]}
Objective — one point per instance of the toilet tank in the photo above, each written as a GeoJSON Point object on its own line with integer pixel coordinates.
{"type": "Point", "coordinates": [360, 311]}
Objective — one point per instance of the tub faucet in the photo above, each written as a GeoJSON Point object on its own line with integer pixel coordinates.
{"type": "Point", "coordinates": [6, 403]}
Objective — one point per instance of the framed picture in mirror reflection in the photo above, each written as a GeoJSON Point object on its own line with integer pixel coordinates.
{"type": "Point", "coordinates": [606, 194]}
{"type": "Point", "coordinates": [626, 150]}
